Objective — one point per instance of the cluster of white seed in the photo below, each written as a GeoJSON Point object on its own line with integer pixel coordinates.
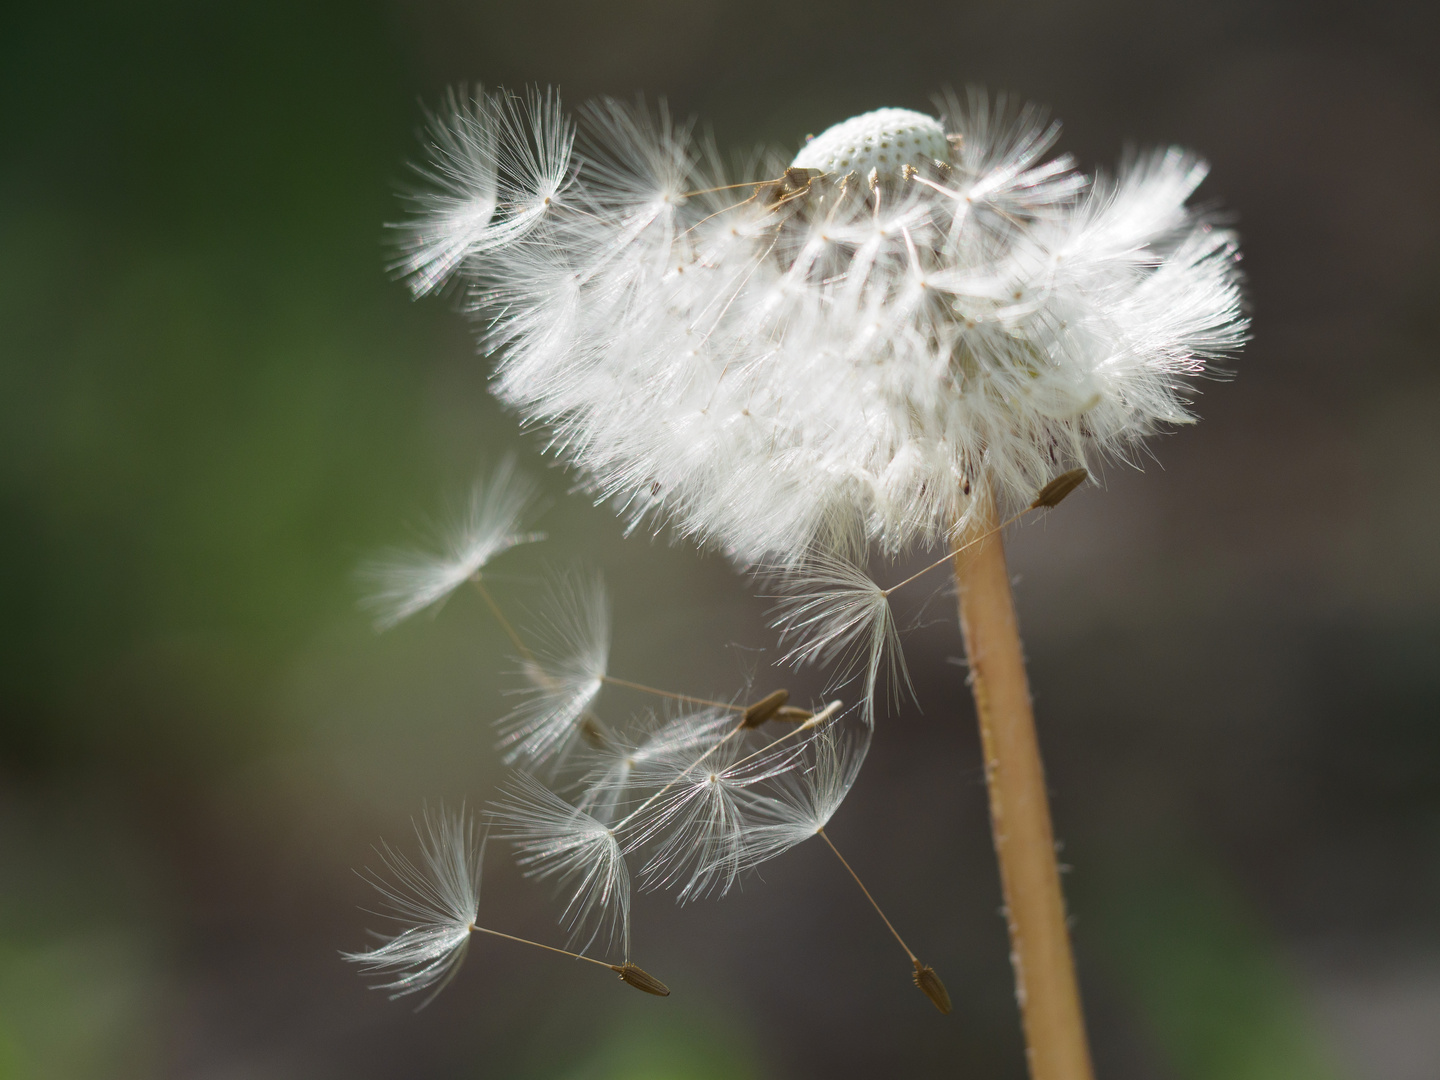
{"type": "Point", "coordinates": [845, 347]}
{"type": "Point", "coordinates": [694, 794]}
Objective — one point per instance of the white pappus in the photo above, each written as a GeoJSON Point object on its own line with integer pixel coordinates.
{"type": "Point", "coordinates": [916, 311]}
{"type": "Point", "coordinates": [403, 583]}
{"type": "Point", "coordinates": [438, 901]}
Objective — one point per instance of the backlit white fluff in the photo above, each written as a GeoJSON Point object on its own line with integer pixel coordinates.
{"type": "Point", "coordinates": [698, 822]}
{"type": "Point", "coordinates": [803, 800]}
{"type": "Point", "coordinates": [621, 759]}
{"type": "Point", "coordinates": [439, 900]}
{"type": "Point", "coordinates": [557, 840]}
{"type": "Point", "coordinates": [834, 358]}
{"type": "Point", "coordinates": [407, 582]}
{"type": "Point", "coordinates": [834, 614]}
{"type": "Point", "coordinates": [564, 671]}
{"type": "Point", "coordinates": [496, 168]}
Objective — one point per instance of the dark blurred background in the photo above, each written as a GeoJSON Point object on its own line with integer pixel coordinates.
{"type": "Point", "coordinates": [213, 404]}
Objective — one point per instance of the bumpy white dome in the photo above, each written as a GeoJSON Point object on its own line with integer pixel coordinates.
{"type": "Point", "coordinates": [886, 139]}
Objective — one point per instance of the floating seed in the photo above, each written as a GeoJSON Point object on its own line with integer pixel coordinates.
{"type": "Point", "coordinates": [1051, 494]}
{"type": "Point", "coordinates": [643, 980]}
{"type": "Point", "coordinates": [791, 715]}
{"type": "Point", "coordinates": [765, 708]}
{"type": "Point", "coordinates": [931, 986]}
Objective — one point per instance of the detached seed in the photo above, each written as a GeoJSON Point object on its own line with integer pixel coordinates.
{"type": "Point", "coordinates": [643, 980]}
{"type": "Point", "coordinates": [792, 715]}
{"type": "Point", "coordinates": [765, 708]}
{"type": "Point", "coordinates": [931, 986]}
{"type": "Point", "coordinates": [1051, 494]}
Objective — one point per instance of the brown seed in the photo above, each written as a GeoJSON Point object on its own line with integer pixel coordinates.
{"type": "Point", "coordinates": [765, 708]}
{"type": "Point", "coordinates": [792, 715]}
{"type": "Point", "coordinates": [1051, 494]}
{"type": "Point", "coordinates": [592, 732]}
{"type": "Point", "coordinates": [643, 980]}
{"type": "Point", "coordinates": [931, 986]}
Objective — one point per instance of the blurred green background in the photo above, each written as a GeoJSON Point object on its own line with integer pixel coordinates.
{"type": "Point", "coordinates": [213, 405]}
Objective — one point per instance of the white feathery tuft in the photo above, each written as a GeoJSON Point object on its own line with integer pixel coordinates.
{"type": "Point", "coordinates": [698, 822]}
{"type": "Point", "coordinates": [558, 840]}
{"type": "Point", "coordinates": [614, 764]}
{"type": "Point", "coordinates": [829, 358]}
{"type": "Point", "coordinates": [564, 672]}
{"type": "Point", "coordinates": [439, 899]}
{"type": "Point", "coordinates": [835, 613]}
{"type": "Point", "coordinates": [805, 799]}
{"type": "Point", "coordinates": [406, 582]}
{"type": "Point", "coordinates": [497, 166]}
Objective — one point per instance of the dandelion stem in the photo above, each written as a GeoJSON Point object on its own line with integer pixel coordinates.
{"type": "Point", "coordinates": [891, 926]}
{"type": "Point", "coordinates": [1046, 986]}
{"type": "Point", "coordinates": [548, 948]}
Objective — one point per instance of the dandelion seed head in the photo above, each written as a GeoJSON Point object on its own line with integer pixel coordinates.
{"type": "Point", "coordinates": [886, 140]}
{"type": "Point", "coordinates": [837, 354]}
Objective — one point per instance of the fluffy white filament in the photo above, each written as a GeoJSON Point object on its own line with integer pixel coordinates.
{"type": "Point", "coordinates": [835, 614]}
{"type": "Point", "coordinates": [832, 357]}
{"type": "Point", "coordinates": [564, 672]}
{"type": "Point", "coordinates": [439, 899]}
{"type": "Point", "coordinates": [805, 799]}
{"type": "Point", "coordinates": [557, 840]}
{"type": "Point", "coordinates": [406, 582]}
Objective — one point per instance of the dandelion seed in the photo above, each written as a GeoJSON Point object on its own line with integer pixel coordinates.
{"type": "Point", "coordinates": [557, 840]}
{"type": "Point", "coordinates": [496, 168]}
{"type": "Point", "coordinates": [764, 709]}
{"type": "Point", "coordinates": [640, 979]}
{"type": "Point", "coordinates": [931, 986]}
{"type": "Point", "coordinates": [612, 768]}
{"type": "Point", "coordinates": [699, 822]}
{"type": "Point", "coordinates": [838, 615]}
{"type": "Point", "coordinates": [439, 898]}
{"type": "Point", "coordinates": [804, 799]}
{"type": "Point", "coordinates": [1056, 490]}
{"type": "Point", "coordinates": [405, 583]}
{"type": "Point", "coordinates": [565, 670]}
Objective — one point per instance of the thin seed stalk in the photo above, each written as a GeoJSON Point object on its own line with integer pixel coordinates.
{"type": "Point", "coordinates": [1045, 984]}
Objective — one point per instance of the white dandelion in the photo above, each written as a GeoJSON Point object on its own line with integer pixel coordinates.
{"type": "Point", "coordinates": [406, 582]}
{"type": "Point", "coordinates": [439, 899]}
{"type": "Point", "coordinates": [560, 841]}
{"type": "Point", "coordinates": [921, 312]}
{"type": "Point", "coordinates": [917, 323]}
{"type": "Point", "coordinates": [564, 670]}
